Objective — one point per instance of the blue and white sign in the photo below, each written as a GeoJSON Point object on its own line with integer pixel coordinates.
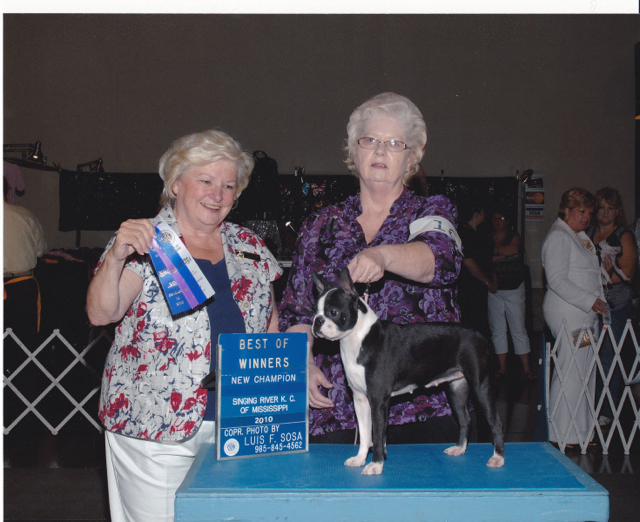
{"type": "Point", "coordinates": [262, 395]}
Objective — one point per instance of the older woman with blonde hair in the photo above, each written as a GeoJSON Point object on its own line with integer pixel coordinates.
{"type": "Point", "coordinates": [152, 404]}
{"type": "Point", "coordinates": [571, 305]}
{"type": "Point", "coordinates": [401, 249]}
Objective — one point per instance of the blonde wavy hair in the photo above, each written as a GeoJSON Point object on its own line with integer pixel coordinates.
{"type": "Point", "coordinates": [574, 198]}
{"type": "Point", "coordinates": [202, 148]}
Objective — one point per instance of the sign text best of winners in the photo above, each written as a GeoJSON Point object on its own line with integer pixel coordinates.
{"type": "Point", "coordinates": [262, 395]}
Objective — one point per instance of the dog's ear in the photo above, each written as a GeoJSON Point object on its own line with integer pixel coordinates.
{"type": "Point", "coordinates": [318, 282]}
{"type": "Point", "coordinates": [346, 283]}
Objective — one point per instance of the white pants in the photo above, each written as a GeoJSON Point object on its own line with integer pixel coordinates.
{"type": "Point", "coordinates": [143, 475]}
{"type": "Point", "coordinates": [507, 307]}
{"type": "Point", "coordinates": [570, 396]}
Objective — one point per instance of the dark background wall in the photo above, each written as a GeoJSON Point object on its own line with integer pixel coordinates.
{"type": "Point", "coordinates": [500, 93]}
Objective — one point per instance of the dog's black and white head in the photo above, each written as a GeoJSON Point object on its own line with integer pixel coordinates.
{"type": "Point", "coordinates": [336, 312]}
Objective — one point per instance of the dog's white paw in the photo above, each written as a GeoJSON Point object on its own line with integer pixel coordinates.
{"type": "Point", "coordinates": [496, 461]}
{"type": "Point", "coordinates": [355, 462]}
{"type": "Point", "coordinates": [455, 451]}
{"type": "Point", "coordinates": [373, 468]}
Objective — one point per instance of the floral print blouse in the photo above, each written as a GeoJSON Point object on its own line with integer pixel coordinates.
{"type": "Point", "coordinates": [327, 241]}
{"type": "Point", "coordinates": [151, 382]}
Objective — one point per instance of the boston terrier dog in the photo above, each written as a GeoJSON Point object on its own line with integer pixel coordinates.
{"type": "Point", "coordinates": [382, 359]}
{"type": "Point", "coordinates": [611, 247]}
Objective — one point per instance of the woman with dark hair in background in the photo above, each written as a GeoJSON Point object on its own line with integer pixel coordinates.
{"type": "Point", "coordinates": [616, 248]}
{"type": "Point", "coordinates": [477, 277]}
{"type": "Point", "coordinates": [507, 305]}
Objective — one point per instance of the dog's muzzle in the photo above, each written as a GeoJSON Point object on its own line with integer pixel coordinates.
{"type": "Point", "coordinates": [318, 321]}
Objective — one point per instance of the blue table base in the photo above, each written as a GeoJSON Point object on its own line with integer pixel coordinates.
{"type": "Point", "coordinates": [419, 482]}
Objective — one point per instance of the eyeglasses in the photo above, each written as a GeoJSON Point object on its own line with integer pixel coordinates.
{"type": "Point", "coordinates": [390, 145]}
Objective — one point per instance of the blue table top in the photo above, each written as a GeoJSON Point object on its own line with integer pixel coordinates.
{"type": "Point", "coordinates": [423, 467]}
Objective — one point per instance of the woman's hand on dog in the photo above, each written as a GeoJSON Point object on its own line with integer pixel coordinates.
{"type": "Point", "coordinates": [367, 266]}
{"type": "Point", "coordinates": [316, 379]}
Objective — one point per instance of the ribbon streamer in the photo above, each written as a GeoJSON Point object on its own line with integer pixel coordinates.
{"type": "Point", "coordinates": [184, 285]}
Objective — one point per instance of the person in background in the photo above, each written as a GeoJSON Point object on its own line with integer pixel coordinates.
{"type": "Point", "coordinates": [571, 305]}
{"type": "Point", "coordinates": [156, 413]}
{"type": "Point", "coordinates": [610, 229]}
{"type": "Point", "coordinates": [24, 243]}
{"type": "Point", "coordinates": [635, 282]}
{"type": "Point", "coordinates": [477, 277]}
{"type": "Point", "coordinates": [507, 304]}
{"type": "Point", "coordinates": [13, 176]}
{"type": "Point", "coordinates": [386, 236]}
{"type": "Point", "coordinates": [418, 183]}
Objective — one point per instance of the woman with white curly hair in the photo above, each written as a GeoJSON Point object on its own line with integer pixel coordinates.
{"type": "Point", "coordinates": [401, 248]}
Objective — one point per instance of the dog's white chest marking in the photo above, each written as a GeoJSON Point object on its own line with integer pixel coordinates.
{"type": "Point", "coordinates": [350, 349]}
{"type": "Point", "coordinates": [354, 371]}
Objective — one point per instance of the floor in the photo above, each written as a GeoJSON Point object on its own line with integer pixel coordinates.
{"type": "Point", "coordinates": [62, 477]}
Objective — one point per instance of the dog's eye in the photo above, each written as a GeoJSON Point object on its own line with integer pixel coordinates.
{"type": "Point", "coordinates": [333, 313]}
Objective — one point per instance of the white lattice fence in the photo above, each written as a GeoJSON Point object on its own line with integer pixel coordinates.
{"type": "Point", "coordinates": [587, 369]}
{"type": "Point", "coordinates": [55, 383]}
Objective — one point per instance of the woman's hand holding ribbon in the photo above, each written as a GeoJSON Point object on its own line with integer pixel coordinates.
{"type": "Point", "coordinates": [134, 235]}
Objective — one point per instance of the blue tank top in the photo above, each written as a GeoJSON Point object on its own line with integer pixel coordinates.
{"type": "Point", "coordinates": [224, 316]}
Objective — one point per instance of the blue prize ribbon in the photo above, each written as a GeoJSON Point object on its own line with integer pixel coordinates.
{"type": "Point", "coordinates": [174, 266]}
{"type": "Point", "coordinates": [178, 275]}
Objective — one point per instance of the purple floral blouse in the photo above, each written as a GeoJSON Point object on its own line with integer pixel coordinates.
{"type": "Point", "coordinates": [151, 381]}
{"type": "Point", "coordinates": [328, 240]}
